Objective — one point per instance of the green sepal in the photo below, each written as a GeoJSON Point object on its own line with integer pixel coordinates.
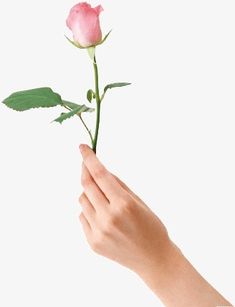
{"type": "Point", "coordinates": [76, 44]}
{"type": "Point", "coordinates": [89, 49]}
{"type": "Point", "coordinates": [104, 39]}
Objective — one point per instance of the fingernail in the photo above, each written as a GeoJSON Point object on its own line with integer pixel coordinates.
{"type": "Point", "coordinates": [82, 148]}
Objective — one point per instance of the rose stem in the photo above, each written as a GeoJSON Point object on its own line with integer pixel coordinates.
{"type": "Point", "coordinates": [98, 101]}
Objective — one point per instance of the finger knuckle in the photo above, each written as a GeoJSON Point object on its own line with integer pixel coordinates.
{"type": "Point", "coordinates": [110, 224]}
{"type": "Point", "coordinates": [81, 198]}
{"type": "Point", "coordinates": [99, 172]}
{"type": "Point", "coordinates": [126, 205]}
{"type": "Point", "coordinates": [85, 181]}
{"type": "Point", "coordinates": [95, 246]}
{"type": "Point", "coordinates": [97, 243]}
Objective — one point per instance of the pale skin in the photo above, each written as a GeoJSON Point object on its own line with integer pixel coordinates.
{"type": "Point", "coordinates": [120, 226]}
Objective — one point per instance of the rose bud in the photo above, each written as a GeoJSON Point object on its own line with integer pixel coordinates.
{"type": "Point", "coordinates": [83, 21]}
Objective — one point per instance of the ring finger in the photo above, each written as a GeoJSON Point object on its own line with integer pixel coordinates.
{"type": "Point", "coordinates": [92, 191]}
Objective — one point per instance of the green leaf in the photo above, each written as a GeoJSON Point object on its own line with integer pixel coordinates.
{"type": "Point", "coordinates": [78, 110]}
{"type": "Point", "coordinates": [69, 104]}
{"type": "Point", "coordinates": [113, 85]}
{"type": "Point", "coordinates": [42, 97]}
{"type": "Point", "coordinates": [90, 95]}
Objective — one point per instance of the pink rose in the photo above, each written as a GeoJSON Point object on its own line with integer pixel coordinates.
{"type": "Point", "coordinates": [83, 21]}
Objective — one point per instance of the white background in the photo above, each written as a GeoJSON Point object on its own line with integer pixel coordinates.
{"type": "Point", "coordinates": [170, 136]}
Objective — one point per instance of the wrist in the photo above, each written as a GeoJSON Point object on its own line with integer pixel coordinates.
{"type": "Point", "coordinates": [159, 269]}
{"type": "Point", "coordinates": [177, 283]}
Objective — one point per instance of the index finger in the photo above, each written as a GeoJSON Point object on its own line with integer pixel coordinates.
{"type": "Point", "coordinates": [103, 178]}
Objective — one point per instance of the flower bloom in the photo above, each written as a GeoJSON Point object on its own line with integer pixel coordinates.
{"type": "Point", "coordinates": [83, 21]}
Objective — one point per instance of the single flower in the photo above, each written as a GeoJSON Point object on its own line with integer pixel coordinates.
{"type": "Point", "coordinates": [84, 22]}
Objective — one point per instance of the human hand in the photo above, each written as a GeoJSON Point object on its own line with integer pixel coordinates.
{"type": "Point", "coordinates": [116, 222]}
{"type": "Point", "coordinates": [120, 226]}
